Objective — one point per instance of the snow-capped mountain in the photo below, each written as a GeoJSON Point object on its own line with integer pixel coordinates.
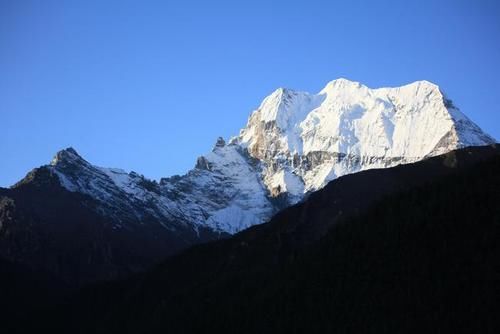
{"type": "Point", "coordinates": [306, 140]}
{"type": "Point", "coordinates": [293, 144]}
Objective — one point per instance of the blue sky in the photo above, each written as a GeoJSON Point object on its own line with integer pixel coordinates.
{"type": "Point", "coordinates": [149, 85]}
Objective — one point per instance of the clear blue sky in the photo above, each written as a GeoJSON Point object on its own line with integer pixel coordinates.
{"type": "Point", "coordinates": [149, 85]}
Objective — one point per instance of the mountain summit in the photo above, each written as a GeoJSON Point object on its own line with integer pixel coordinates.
{"type": "Point", "coordinates": [294, 143]}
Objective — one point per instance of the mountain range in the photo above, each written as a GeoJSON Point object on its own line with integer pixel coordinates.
{"type": "Point", "coordinates": [85, 223]}
{"type": "Point", "coordinates": [349, 210]}
{"type": "Point", "coordinates": [293, 144]}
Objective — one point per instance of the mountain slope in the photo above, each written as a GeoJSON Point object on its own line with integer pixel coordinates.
{"type": "Point", "coordinates": [25, 292]}
{"type": "Point", "coordinates": [47, 228]}
{"type": "Point", "coordinates": [417, 256]}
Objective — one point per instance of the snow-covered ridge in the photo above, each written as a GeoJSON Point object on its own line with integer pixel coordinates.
{"type": "Point", "coordinates": [293, 143]}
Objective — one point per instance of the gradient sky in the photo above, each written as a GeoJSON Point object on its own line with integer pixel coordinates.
{"type": "Point", "coordinates": [149, 85]}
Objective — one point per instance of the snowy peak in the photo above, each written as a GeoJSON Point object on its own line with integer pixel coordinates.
{"type": "Point", "coordinates": [341, 84]}
{"type": "Point", "coordinates": [276, 106]}
{"type": "Point", "coordinates": [67, 156]}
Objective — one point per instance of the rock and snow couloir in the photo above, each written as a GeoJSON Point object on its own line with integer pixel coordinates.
{"type": "Point", "coordinates": [294, 143]}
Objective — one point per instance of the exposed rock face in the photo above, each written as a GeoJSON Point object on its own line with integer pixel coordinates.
{"type": "Point", "coordinates": [220, 142]}
{"type": "Point", "coordinates": [293, 144]}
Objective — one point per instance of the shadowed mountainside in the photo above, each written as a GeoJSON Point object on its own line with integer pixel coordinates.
{"type": "Point", "coordinates": [417, 255]}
